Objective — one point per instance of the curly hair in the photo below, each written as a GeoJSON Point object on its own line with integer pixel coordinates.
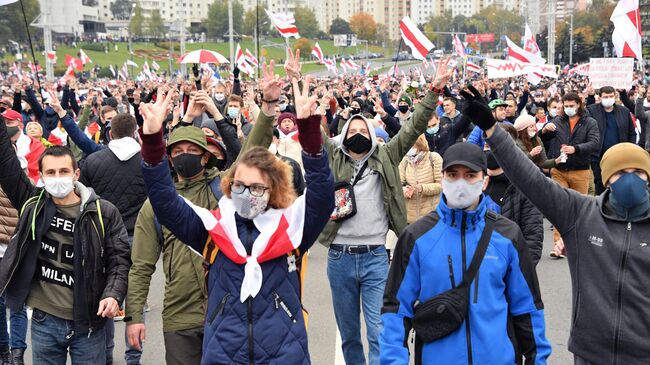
{"type": "Point", "coordinates": [277, 171]}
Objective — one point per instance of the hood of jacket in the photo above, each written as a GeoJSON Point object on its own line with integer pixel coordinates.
{"type": "Point", "coordinates": [371, 132]}
{"type": "Point", "coordinates": [124, 148]}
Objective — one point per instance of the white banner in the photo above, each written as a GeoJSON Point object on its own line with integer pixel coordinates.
{"type": "Point", "coordinates": [499, 69]}
{"type": "Point", "coordinates": [615, 72]}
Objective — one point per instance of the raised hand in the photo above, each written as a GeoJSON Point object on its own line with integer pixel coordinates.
{"type": "Point", "coordinates": [292, 65]}
{"type": "Point", "coordinates": [442, 75]}
{"type": "Point", "coordinates": [55, 103]}
{"type": "Point", "coordinates": [304, 102]}
{"type": "Point", "coordinates": [154, 114]}
{"type": "Point", "coordinates": [204, 101]}
{"type": "Point", "coordinates": [476, 108]}
{"type": "Point", "coordinates": [270, 83]}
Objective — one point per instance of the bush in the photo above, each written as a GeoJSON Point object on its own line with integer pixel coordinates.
{"type": "Point", "coordinates": [104, 72]}
{"type": "Point", "coordinates": [98, 47]}
{"type": "Point", "coordinates": [165, 45]}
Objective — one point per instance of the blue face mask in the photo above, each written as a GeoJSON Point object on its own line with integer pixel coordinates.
{"type": "Point", "coordinates": [630, 191]}
{"type": "Point", "coordinates": [233, 112]}
{"type": "Point", "coordinates": [433, 130]}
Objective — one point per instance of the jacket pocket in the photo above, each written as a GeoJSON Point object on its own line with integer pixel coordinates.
{"type": "Point", "coordinates": [220, 308]}
{"type": "Point", "coordinates": [281, 305]}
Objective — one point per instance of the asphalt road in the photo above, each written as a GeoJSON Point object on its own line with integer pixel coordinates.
{"type": "Point", "coordinates": [553, 277]}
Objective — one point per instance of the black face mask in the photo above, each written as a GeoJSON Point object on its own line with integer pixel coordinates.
{"type": "Point", "coordinates": [403, 108]}
{"type": "Point", "coordinates": [355, 111]}
{"type": "Point", "coordinates": [220, 164]}
{"type": "Point", "coordinates": [358, 143]}
{"type": "Point", "coordinates": [188, 165]}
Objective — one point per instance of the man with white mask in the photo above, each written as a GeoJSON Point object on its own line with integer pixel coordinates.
{"type": "Point", "coordinates": [441, 252]}
{"type": "Point", "coordinates": [615, 126]}
{"type": "Point", "coordinates": [68, 259]}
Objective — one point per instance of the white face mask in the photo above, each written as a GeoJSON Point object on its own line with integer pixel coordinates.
{"type": "Point", "coordinates": [219, 96]}
{"type": "Point", "coordinates": [460, 194]}
{"type": "Point", "coordinates": [552, 112]}
{"type": "Point", "coordinates": [532, 134]}
{"type": "Point", "coordinates": [608, 102]}
{"type": "Point", "coordinates": [249, 206]}
{"type": "Point", "coordinates": [58, 187]}
{"type": "Point", "coordinates": [570, 111]}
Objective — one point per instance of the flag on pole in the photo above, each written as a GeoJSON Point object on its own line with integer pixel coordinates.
{"type": "Point", "coordinates": [155, 65]}
{"type": "Point", "coordinates": [627, 29]}
{"type": "Point", "coordinates": [520, 54]}
{"type": "Point", "coordinates": [343, 66]}
{"type": "Point", "coordinates": [250, 58]}
{"type": "Point", "coordinates": [420, 45]}
{"type": "Point", "coordinates": [84, 57]}
{"type": "Point", "coordinates": [331, 65]}
{"type": "Point", "coordinates": [458, 46]}
{"type": "Point", "coordinates": [471, 66]}
{"type": "Point", "coordinates": [285, 24]}
{"type": "Point", "coordinates": [124, 71]}
{"type": "Point", "coordinates": [318, 53]}
{"type": "Point", "coordinates": [74, 62]}
{"type": "Point", "coordinates": [394, 71]}
{"type": "Point", "coordinates": [110, 67]}
{"type": "Point", "coordinates": [240, 61]}
{"type": "Point", "coordinates": [131, 63]}
{"type": "Point", "coordinates": [51, 56]}
{"type": "Point", "coordinates": [530, 44]}
{"type": "Point", "coordinates": [350, 64]}
{"type": "Point", "coordinates": [69, 72]}
{"type": "Point", "coordinates": [146, 70]}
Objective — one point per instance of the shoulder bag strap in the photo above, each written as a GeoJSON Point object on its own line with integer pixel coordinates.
{"type": "Point", "coordinates": [360, 174]}
{"type": "Point", "coordinates": [468, 276]}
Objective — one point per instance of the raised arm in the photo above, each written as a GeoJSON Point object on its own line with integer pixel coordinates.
{"type": "Point", "coordinates": [13, 179]}
{"type": "Point", "coordinates": [79, 138]}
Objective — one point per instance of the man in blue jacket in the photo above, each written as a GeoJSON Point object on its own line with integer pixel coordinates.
{"type": "Point", "coordinates": [431, 257]}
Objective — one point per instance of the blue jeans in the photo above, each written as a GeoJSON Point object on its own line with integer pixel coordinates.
{"type": "Point", "coordinates": [53, 336]}
{"type": "Point", "coordinates": [356, 278]}
{"type": "Point", "coordinates": [15, 338]}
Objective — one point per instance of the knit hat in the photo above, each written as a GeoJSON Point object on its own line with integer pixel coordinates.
{"type": "Point", "coordinates": [381, 133]}
{"type": "Point", "coordinates": [524, 121]}
{"type": "Point", "coordinates": [624, 156]}
{"type": "Point", "coordinates": [211, 125]}
{"type": "Point", "coordinates": [286, 115]}
{"type": "Point", "coordinates": [406, 99]}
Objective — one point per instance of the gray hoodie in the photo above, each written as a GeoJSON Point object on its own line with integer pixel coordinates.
{"type": "Point", "coordinates": [370, 225]}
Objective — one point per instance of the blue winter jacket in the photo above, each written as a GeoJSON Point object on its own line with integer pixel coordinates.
{"type": "Point", "coordinates": [267, 329]}
{"type": "Point", "coordinates": [429, 259]}
{"type": "Point", "coordinates": [476, 137]}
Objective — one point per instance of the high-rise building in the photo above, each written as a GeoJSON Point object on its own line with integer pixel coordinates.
{"type": "Point", "coordinates": [644, 13]}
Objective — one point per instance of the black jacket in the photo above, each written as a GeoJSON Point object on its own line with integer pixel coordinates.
{"type": "Point", "coordinates": [102, 255]}
{"type": "Point", "coordinates": [626, 132]}
{"type": "Point", "coordinates": [585, 138]}
{"type": "Point", "coordinates": [119, 182]}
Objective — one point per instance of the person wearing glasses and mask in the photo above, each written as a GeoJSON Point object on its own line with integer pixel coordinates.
{"type": "Point", "coordinates": [254, 312]}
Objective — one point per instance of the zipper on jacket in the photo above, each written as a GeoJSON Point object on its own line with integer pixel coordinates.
{"type": "Point", "coordinates": [451, 272]}
{"type": "Point", "coordinates": [468, 334]}
{"type": "Point", "coordinates": [279, 303]}
{"type": "Point", "coordinates": [251, 352]}
{"type": "Point", "coordinates": [220, 308]}
{"type": "Point", "coordinates": [619, 292]}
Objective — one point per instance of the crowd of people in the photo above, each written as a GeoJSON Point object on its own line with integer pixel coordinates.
{"type": "Point", "coordinates": [431, 200]}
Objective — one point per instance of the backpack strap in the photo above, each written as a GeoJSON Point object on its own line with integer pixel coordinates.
{"type": "Point", "coordinates": [159, 233]}
{"type": "Point", "coordinates": [101, 218]}
{"type": "Point", "coordinates": [483, 243]}
{"type": "Point", "coordinates": [215, 186]}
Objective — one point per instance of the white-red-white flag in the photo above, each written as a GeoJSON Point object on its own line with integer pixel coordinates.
{"type": "Point", "coordinates": [318, 53]}
{"type": "Point", "coordinates": [582, 70]}
{"type": "Point", "coordinates": [155, 65]}
{"type": "Point", "coordinates": [420, 45]}
{"type": "Point", "coordinates": [110, 67]}
{"type": "Point", "coordinates": [285, 24]}
{"type": "Point", "coordinates": [51, 56]}
{"type": "Point", "coordinates": [521, 55]}
{"type": "Point", "coordinates": [146, 70]}
{"type": "Point", "coordinates": [240, 61]}
{"type": "Point", "coordinates": [84, 57]}
{"type": "Point", "coordinates": [458, 46]}
{"type": "Point", "coordinates": [250, 58]}
{"type": "Point", "coordinates": [471, 66]}
{"type": "Point", "coordinates": [530, 44]}
{"type": "Point", "coordinates": [351, 64]}
{"type": "Point", "coordinates": [331, 65]}
{"type": "Point", "coordinates": [627, 29]}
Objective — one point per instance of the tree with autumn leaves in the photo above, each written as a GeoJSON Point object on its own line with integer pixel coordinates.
{"type": "Point", "coordinates": [364, 26]}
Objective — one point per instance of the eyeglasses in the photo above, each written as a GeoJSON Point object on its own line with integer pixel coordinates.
{"type": "Point", "coordinates": [255, 189]}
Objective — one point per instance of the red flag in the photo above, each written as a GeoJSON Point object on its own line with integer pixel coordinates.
{"type": "Point", "coordinates": [74, 62]}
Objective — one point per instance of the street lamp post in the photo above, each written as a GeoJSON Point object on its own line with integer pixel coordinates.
{"type": "Point", "coordinates": [571, 41]}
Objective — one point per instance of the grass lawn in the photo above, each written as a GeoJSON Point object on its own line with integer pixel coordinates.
{"type": "Point", "coordinates": [151, 51]}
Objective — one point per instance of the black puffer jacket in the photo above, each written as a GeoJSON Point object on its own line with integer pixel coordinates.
{"type": "Point", "coordinates": [585, 138]}
{"type": "Point", "coordinates": [102, 255]}
{"type": "Point", "coordinates": [119, 182]}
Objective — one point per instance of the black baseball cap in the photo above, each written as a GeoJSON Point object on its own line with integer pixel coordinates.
{"type": "Point", "coordinates": [465, 154]}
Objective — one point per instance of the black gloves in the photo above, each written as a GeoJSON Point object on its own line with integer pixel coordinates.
{"type": "Point", "coordinates": [476, 109]}
{"type": "Point", "coordinates": [235, 72]}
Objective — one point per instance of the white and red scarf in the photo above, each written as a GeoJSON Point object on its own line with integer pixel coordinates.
{"type": "Point", "coordinates": [280, 233]}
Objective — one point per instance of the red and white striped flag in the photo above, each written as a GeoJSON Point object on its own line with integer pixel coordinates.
{"type": "Point", "coordinates": [250, 58]}
{"type": "Point", "coordinates": [51, 56]}
{"type": "Point", "coordinates": [124, 72]}
{"type": "Point", "coordinates": [519, 54]}
{"type": "Point", "coordinates": [351, 64]}
{"type": "Point", "coordinates": [331, 65]}
{"type": "Point", "coordinates": [471, 66]}
{"type": "Point", "coordinates": [394, 71]}
{"type": "Point", "coordinates": [530, 44]}
{"type": "Point", "coordinates": [240, 61]}
{"type": "Point", "coordinates": [627, 29]}
{"type": "Point", "coordinates": [84, 57]}
{"type": "Point", "coordinates": [146, 70]}
{"type": "Point", "coordinates": [420, 45]}
{"type": "Point", "coordinates": [74, 62]}
{"type": "Point", "coordinates": [110, 67]}
{"type": "Point", "coordinates": [285, 24]}
{"type": "Point", "coordinates": [458, 46]}
{"type": "Point", "coordinates": [318, 53]}
{"type": "Point", "coordinates": [155, 65]}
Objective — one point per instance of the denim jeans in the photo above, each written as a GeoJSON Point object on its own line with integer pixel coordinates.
{"type": "Point", "coordinates": [53, 336]}
{"type": "Point", "coordinates": [15, 338]}
{"type": "Point", "coordinates": [357, 281]}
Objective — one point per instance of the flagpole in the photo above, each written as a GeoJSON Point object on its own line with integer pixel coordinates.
{"type": "Point", "coordinates": [399, 46]}
{"type": "Point", "coordinates": [257, 35]}
{"type": "Point", "coordinates": [31, 46]}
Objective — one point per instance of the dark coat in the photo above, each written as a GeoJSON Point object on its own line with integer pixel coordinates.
{"type": "Point", "coordinates": [626, 132]}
